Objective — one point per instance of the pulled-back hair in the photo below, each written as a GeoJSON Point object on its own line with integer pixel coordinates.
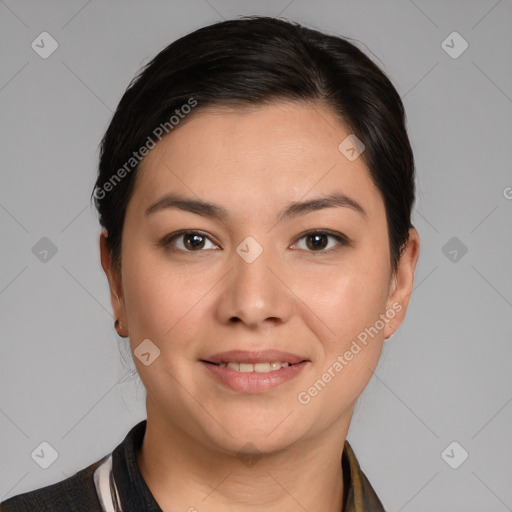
{"type": "Point", "coordinates": [257, 60]}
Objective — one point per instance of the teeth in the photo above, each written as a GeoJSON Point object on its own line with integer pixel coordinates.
{"type": "Point", "coordinates": [262, 367]}
{"type": "Point", "coordinates": [256, 367]}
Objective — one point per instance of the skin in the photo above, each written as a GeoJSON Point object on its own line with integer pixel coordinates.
{"type": "Point", "coordinates": [312, 302]}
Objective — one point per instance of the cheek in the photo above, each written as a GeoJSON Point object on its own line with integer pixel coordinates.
{"type": "Point", "coordinates": [349, 346]}
{"type": "Point", "coordinates": [348, 299]}
{"type": "Point", "coordinates": [160, 301]}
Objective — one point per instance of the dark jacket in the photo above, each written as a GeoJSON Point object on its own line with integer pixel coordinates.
{"type": "Point", "coordinates": [124, 483]}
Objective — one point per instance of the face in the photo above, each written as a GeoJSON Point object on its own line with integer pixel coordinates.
{"type": "Point", "coordinates": [269, 304]}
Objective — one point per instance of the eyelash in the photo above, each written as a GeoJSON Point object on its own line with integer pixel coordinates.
{"type": "Point", "coordinates": [166, 242]}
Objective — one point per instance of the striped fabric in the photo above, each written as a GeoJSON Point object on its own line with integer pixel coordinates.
{"type": "Point", "coordinates": [106, 487]}
{"type": "Point", "coordinates": [115, 484]}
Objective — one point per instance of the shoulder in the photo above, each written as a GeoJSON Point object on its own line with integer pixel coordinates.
{"type": "Point", "coordinates": [74, 494]}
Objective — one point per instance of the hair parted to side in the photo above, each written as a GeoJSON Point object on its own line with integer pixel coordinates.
{"type": "Point", "coordinates": [255, 60]}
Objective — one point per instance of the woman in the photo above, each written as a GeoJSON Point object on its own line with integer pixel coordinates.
{"type": "Point", "coordinates": [255, 190]}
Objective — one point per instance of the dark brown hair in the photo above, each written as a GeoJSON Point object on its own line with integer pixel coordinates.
{"type": "Point", "coordinates": [250, 61]}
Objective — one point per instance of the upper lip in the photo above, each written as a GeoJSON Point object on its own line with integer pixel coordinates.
{"type": "Point", "coordinates": [258, 356]}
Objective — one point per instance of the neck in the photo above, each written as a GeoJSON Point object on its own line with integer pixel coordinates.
{"type": "Point", "coordinates": [183, 474]}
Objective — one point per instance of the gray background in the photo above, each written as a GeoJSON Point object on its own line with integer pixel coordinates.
{"type": "Point", "coordinates": [445, 376]}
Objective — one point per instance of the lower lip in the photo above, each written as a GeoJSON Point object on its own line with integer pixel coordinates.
{"type": "Point", "coordinates": [254, 382]}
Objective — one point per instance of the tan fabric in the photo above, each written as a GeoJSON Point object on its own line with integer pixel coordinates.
{"type": "Point", "coordinates": [359, 495]}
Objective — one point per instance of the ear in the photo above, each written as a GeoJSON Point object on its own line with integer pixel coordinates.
{"type": "Point", "coordinates": [115, 283]}
{"type": "Point", "coordinates": [401, 284]}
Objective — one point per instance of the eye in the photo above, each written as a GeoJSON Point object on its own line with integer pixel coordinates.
{"type": "Point", "coordinates": [318, 241]}
{"type": "Point", "coordinates": [188, 241]}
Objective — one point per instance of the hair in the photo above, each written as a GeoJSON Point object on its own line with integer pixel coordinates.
{"type": "Point", "coordinates": [252, 61]}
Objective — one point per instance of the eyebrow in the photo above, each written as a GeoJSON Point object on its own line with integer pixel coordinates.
{"type": "Point", "coordinates": [294, 209]}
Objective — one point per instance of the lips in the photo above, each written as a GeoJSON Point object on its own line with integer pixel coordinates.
{"type": "Point", "coordinates": [256, 371]}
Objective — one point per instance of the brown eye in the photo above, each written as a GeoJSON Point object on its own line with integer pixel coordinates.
{"type": "Point", "coordinates": [316, 241]}
{"type": "Point", "coordinates": [319, 241]}
{"type": "Point", "coordinates": [188, 241]}
{"type": "Point", "coordinates": [194, 241]}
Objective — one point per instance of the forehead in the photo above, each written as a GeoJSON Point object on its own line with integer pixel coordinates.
{"type": "Point", "coordinates": [256, 156]}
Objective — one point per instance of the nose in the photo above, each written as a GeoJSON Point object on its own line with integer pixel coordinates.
{"type": "Point", "coordinates": [255, 293]}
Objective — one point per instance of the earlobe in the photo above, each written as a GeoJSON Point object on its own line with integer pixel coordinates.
{"type": "Point", "coordinates": [121, 331]}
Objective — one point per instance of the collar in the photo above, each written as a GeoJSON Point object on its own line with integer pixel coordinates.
{"type": "Point", "coordinates": [121, 488]}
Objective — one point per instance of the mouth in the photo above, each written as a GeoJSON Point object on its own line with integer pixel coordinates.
{"type": "Point", "coordinates": [262, 367]}
{"type": "Point", "coordinates": [254, 372]}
